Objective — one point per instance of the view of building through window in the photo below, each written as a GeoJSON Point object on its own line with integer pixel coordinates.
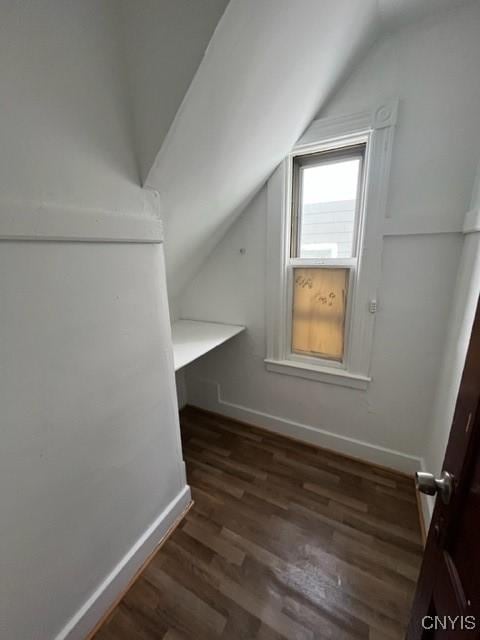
{"type": "Point", "coordinates": [327, 209]}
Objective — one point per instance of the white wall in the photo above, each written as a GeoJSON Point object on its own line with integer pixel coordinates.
{"type": "Point", "coordinates": [63, 88]}
{"type": "Point", "coordinates": [90, 453]}
{"type": "Point", "coordinates": [242, 113]}
{"type": "Point", "coordinates": [432, 67]}
{"type": "Point", "coordinates": [90, 462]}
{"type": "Point", "coordinates": [164, 43]}
{"type": "Point", "coordinates": [462, 315]}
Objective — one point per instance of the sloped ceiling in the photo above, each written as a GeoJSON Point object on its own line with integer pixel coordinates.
{"type": "Point", "coordinates": [164, 43]}
{"type": "Point", "coordinates": [269, 67]}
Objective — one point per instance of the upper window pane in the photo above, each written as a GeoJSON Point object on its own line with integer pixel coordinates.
{"type": "Point", "coordinates": [327, 205]}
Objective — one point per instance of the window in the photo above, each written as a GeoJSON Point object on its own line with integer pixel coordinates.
{"type": "Point", "coordinates": [326, 208]}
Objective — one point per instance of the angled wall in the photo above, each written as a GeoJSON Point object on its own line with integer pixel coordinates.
{"type": "Point", "coordinates": [268, 68]}
{"type": "Point", "coordinates": [465, 300]}
{"type": "Point", "coordinates": [164, 43]}
{"type": "Point", "coordinates": [91, 474]}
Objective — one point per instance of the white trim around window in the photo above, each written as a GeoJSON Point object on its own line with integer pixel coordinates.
{"type": "Point", "coordinates": [376, 128]}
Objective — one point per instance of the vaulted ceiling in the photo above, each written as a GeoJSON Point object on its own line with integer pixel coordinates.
{"type": "Point", "coordinates": [164, 43]}
{"type": "Point", "coordinates": [269, 67]}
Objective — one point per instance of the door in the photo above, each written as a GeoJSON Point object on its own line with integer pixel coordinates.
{"type": "Point", "coordinates": [448, 591]}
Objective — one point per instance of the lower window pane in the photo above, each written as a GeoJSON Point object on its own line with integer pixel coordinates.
{"type": "Point", "coordinates": [319, 311]}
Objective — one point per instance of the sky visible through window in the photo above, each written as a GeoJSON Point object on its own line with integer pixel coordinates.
{"type": "Point", "coordinates": [330, 182]}
{"type": "Point", "coordinates": [329, 194]}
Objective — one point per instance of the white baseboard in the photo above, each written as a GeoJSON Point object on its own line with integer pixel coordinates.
{"type": "Point", "coordinates": [209, 398]}
{"type": "Point", "coordinates": [114, 585]}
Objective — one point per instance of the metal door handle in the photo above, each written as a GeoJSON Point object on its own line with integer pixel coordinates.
{"type": "Point", "coordinates": [429, 484]}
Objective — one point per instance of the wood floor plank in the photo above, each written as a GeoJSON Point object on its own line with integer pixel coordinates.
{"type": "Point", "coordinates": [379, 527]}
{"type": "Point", "coordinates": [203, 611]}
{"type": "Point", "coordinates": [204, 581]}
{"type": "Point", "coordinates": [325, 625]}
{"type": "Point", "coordinates": [205, 444]}
{"type": "Point", "coordinates": [206, 478]}
{"type": "Point", "coordinates": [307, 470]}
{"type": "Point", "coordinates": [336, 496]}
{"type": "Point", "coordinates": [213, 542]}
{"type": "Point", "coordinates": [284, 625]}
{"type": "Point", "coordinates": [172, 634]}
{"type": "Point", "coordinates": [284, 541]}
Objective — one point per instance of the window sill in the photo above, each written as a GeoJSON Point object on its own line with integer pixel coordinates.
{"type": "Point", "coordinates": [319, 374]}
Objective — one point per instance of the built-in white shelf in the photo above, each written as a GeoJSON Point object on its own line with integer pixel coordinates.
{"type": "Point", "coordinates": [192, 339]}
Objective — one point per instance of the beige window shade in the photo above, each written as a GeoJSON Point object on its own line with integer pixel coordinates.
{"type": "Point", "coordinates": [319, 312]}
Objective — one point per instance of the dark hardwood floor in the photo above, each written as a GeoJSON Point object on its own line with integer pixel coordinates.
{"type": "Point", "coordinates": [284, 541]}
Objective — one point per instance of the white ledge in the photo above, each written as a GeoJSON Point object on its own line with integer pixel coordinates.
{"type": "Point", "coordinates": [317, 373]}
{"type": "Point", "coordinates": [422, 224]}
{"type": "Point", "coordinates": [427, 224]}
{"type": "Point", "coordinates": [53, 221]}
{"type": "Point", "coordinates": [193, 338]}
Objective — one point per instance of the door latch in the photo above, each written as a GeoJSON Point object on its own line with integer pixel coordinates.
{"type": "Point", "coordinates": [429, 484]}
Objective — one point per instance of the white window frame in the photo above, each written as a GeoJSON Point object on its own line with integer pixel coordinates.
{"type": "Point", "coordinates": [375, 127]}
